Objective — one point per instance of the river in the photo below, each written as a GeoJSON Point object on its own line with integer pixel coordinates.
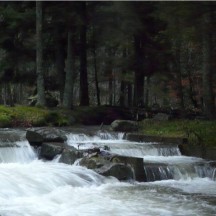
{"type": "Point", "coordinates": [177, 185]}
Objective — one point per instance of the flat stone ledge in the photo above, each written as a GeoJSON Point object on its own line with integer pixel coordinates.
{"type": "Point", "coordinates": [146, 138]}
{"type": "Point", "coordinates": [208, 153]}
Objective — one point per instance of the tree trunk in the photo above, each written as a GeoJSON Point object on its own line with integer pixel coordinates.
{"type": "Point", "coordinates": [39, 56]}
{"type": "Point", "coordinates": [68, 89]}
{"type": "Point", "coordinates": [179, 75]}
{"type": "Point", "coordinates": [96, 71]}
{"type": "Point", "coordinates": [191, 90]}
{"type": "Point", "coordinates": [139, 73]}
{"type": "Point", "coordinates": [147, 91]}
{"type": "Point", "coordinates": [110, 90]}
{"type": "Point", "coordinates": [208, 96]}
{"type": "Point", "coordinates": [129, 91]}
{"type": "Point", "coordinates": [122, 87]}
{"type": "Point", "coordinates": [60, 64]}
{"type": "Point", "coordinates": [84, 94]}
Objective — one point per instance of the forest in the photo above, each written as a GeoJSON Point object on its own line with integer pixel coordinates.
{"type": "Point", "coordinates": [115, 53]}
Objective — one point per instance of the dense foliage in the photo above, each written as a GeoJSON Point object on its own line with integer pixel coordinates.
{"type": "Point", "coordinates": [127, 54]}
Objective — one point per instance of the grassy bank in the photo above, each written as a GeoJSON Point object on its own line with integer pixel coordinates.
{"type": "Point", "coordinates": [24, 116]}
{"type": "Point", "coordinates": [198, 132]}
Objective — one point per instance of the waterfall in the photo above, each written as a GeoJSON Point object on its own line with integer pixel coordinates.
{"type": "Point", "coordinates": [22, 153]}
{"type": "Point", "coordinates": [161, 161]}
{"type": "Point", "coordinates": [176, 185]}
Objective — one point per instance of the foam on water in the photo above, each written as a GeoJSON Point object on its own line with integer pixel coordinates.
{"type": "Point", "coordinates": [22, 153]}
{"type": "Point", "coordinates": [172, 159]}
{"type": "Point", "coordinates": [83, 141]}
{"type": "Point", "coordinates": [118, 145]}
{"type": "Point", "coordinates": [197, 185]}
{"type": "Point", "coordinates": [38, 178]}
{"type": "Point", "coordinates": [145, 149]}
{"type": "Point", "coordinates": [106, 199]}
{"type": "Point", "coordinates": [31, 187]}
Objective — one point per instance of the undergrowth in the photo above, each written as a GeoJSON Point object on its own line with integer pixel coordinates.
{"type": "Point", "coordinates": [24, 116]}
{"type": "Point", "coordinates": [198, 132]}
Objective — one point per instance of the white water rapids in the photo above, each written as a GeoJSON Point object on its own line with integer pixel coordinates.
{"type": "Point", "coordinates": [32, 187]}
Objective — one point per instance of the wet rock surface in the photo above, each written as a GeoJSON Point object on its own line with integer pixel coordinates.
{"type": "Point", "coordinates": [70, 155]}
{"type": "Point", "coordinates": [50, 150]}
{"type": "Point", "coordinates": [104, 162]}
{"type": "Point", "coordinates": [124, 126]}
{"type": "Point", "coordinates": [145, 138]}
{"type": "Point", "coordinates": [45, 134]}
{"type": "Point", "coordinates": [121, 167]}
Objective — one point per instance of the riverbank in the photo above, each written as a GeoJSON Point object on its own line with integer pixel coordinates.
{"type": "Point", "coordinates": [198, 132]}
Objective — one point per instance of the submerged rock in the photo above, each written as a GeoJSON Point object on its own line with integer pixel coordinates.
{"type": "Point", "coordinates": [124, 125]}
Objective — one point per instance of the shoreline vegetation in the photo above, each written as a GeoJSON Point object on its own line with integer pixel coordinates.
{"type": "Point", "coordinates": [198, 132]}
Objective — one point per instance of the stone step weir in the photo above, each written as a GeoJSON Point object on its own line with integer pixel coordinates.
{"type": "Point", "coordinates": [9, 137]}
{"type": "Point", "coordinates": [161, 171]}
{"type": "Point", "coordinates": [124, 159]}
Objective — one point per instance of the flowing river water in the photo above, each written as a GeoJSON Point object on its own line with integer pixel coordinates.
{"type": "Point", "coordinates": [176, 184]}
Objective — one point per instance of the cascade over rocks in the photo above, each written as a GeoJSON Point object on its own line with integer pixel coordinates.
{"type": "Point", "coordinates": [124, 125]}
{"type": "Point", "coordinates": [108, 164]}
{"type": "Point", "coordinates": [52, 142]}
{"type": "Point", "coordinates": [107, 168]}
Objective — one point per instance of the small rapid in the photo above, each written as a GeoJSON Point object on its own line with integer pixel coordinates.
{"type": "Point", "coordinates": [22, 152]}
{"type": "Point", "coordinates": [33, 187]}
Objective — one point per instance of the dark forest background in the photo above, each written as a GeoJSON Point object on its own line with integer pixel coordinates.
{"type": "Point", "coordinates": [128, 54]}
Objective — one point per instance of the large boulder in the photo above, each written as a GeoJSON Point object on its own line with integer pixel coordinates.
{"type": "Point", "coordinates": [124, 126]}
{"type": "Point", "coordinates": [93, 161]}
{"type": "Point", "coordinates": [162, 117]}
{"type": "Point", "coordinates": [45, 134]}
{"type": "Point", "coordinates": [50, 150]}
{"type": "Point", "coordinates": [121, 167]}
{"type": "Point", "coordinates": [34, 138]}
{"type": "Point", "coordinates": [134, 162]}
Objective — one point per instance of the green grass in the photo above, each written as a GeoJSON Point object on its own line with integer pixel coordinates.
{"type": "Point", "coordinates": [198, 132]}
{"type": "Point", "coordinates": [24, 116]}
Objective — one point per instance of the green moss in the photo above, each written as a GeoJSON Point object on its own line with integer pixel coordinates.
{"type": "Point", "coordinates": [198, 132]}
